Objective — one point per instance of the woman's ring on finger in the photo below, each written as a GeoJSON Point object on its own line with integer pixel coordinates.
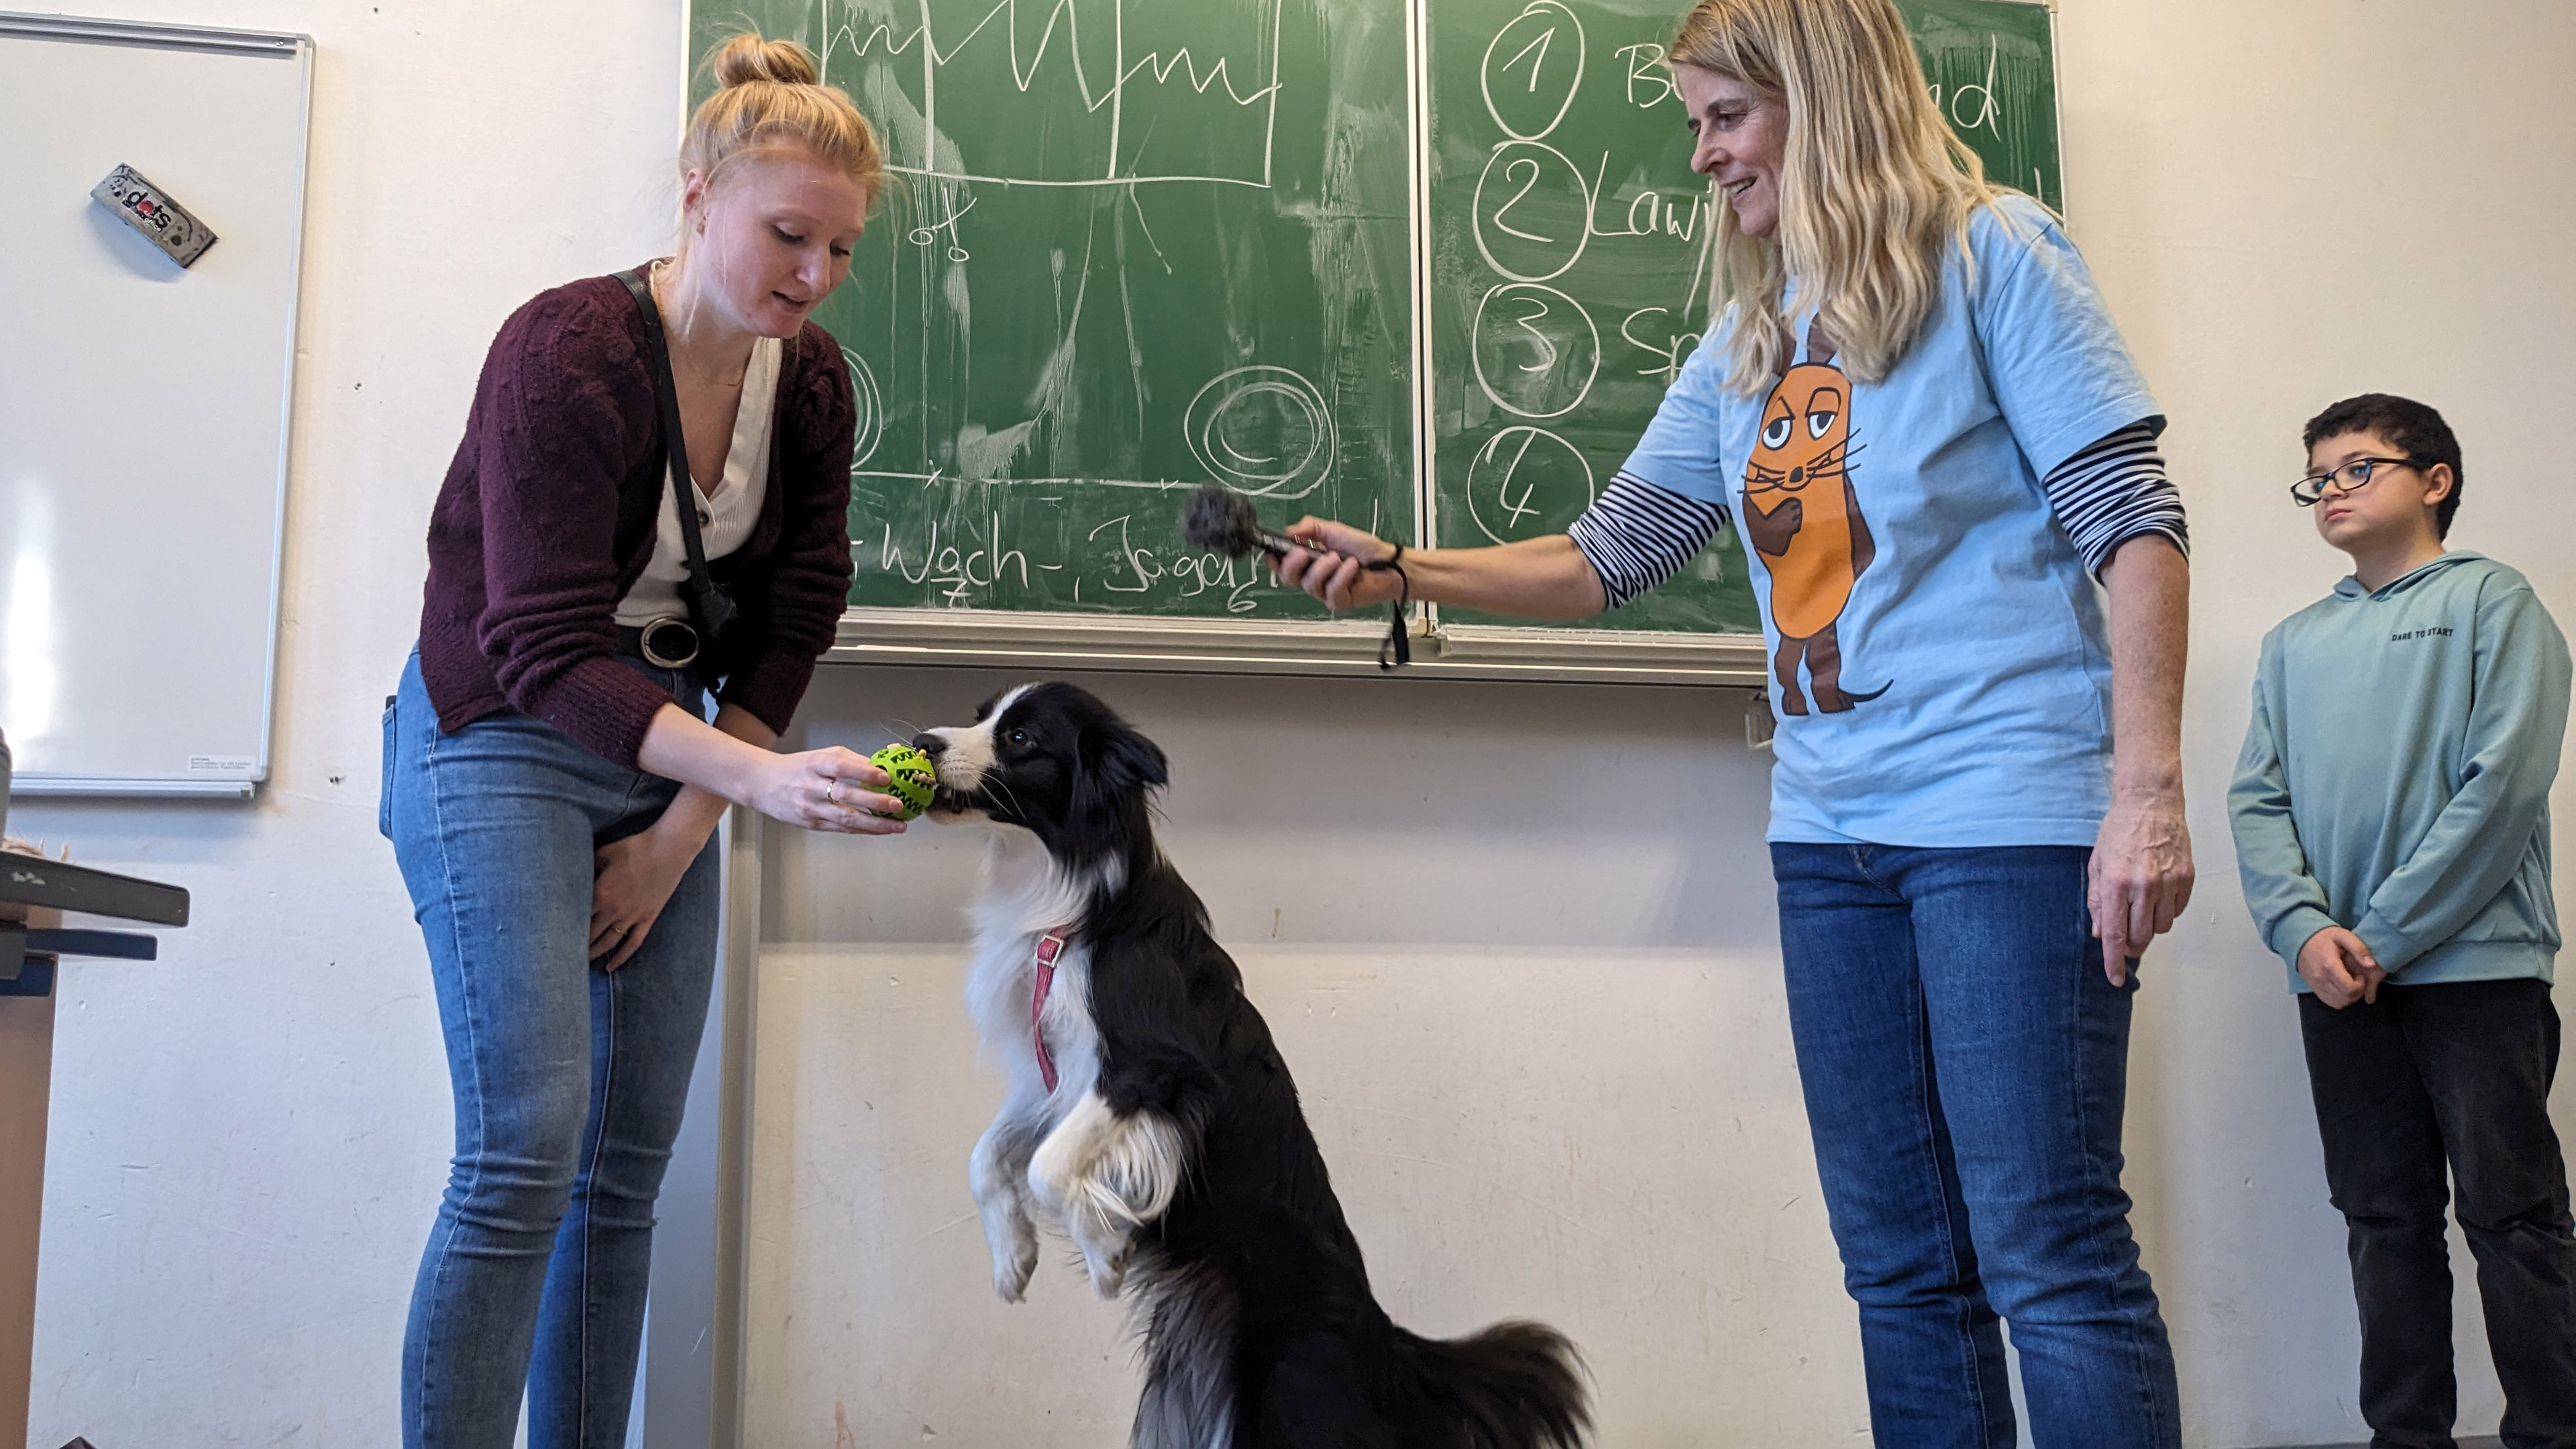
{"type": "Point", "coordinates": [832, 792]}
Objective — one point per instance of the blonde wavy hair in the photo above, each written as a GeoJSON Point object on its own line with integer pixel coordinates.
{"type": "Point", "coordinates": [1874, 185]}
{"type": "Point", "coordinates": [769, 98]}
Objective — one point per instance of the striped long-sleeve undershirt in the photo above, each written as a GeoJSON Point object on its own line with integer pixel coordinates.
{"type": "Point", "coordinates": [2114, 491]}
{"type": "Point", "coordinates": [1637, 535]}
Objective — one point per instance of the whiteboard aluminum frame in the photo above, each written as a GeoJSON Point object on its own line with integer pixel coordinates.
{"type": "Point", "coordinates": [270, 43]}
{"type": "Point", "coordinates": [258, 44]}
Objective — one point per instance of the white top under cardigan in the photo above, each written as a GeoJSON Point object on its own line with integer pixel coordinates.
{"type": "Point", "coordinates": [725, 516]}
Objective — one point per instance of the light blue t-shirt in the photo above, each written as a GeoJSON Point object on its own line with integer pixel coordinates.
{"type": "Point", "coordinates": [1939, 663]}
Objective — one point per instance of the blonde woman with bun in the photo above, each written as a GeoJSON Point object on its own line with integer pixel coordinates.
{"type": "Point", "coordinates": [578, 714]}
{"type": "Point", "coordinates": [1941, 461]}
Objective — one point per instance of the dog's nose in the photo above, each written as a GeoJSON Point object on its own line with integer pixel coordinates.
{"type": "Point", "coordinates": [930, 744]}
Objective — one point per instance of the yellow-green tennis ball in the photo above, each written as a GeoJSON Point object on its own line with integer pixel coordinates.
{"type": "Point", "coordinates": [915, 778]}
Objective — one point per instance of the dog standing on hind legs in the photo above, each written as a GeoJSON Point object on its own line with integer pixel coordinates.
{"type": "Point", "coordinates": [1150, 1113]}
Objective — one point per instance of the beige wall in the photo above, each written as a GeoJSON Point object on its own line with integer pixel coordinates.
{"type": "Point", "coordinates": [1539, 1033]}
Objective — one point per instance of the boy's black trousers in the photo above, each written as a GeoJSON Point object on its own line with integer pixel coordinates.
{"type": "Point", "coordinates": [2456, 1073]}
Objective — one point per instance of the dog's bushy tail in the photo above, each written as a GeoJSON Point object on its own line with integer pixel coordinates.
{"type": "Point", "coordinates": [1517, 1385]}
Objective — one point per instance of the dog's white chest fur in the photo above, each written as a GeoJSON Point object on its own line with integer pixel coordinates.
{"type": "Point", "coordinates": [1025, 896]}
{"type": "Point", "coordinates": [1061, 1151]}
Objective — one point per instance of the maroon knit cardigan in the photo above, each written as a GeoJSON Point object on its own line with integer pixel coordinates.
{"type": "Point", "coordinates": [547, 518]}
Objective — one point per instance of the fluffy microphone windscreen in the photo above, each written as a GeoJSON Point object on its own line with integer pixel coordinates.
{"type": "Point", "coordinates": [1223, 520]}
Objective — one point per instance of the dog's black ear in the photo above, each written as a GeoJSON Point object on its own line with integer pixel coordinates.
{"type": "Point", "coordinates": [1112, 792]}
{"type": "Point", "coordinates": [1122, 757]}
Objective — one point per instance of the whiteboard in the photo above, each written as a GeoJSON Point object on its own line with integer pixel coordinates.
{"type": "Point", "coordinates": [143, 407]}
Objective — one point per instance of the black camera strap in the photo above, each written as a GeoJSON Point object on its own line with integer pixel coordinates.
{"type": "Point", "coordinates": [710, 607]}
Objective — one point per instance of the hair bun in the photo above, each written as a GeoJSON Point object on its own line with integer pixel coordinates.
{"type": "Point", "coordinates": [747, 57]}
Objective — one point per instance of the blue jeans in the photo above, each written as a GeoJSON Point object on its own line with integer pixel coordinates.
{"type": "Point", "coordinates": [1965, 1065]}
{"type": "Point", "coordinates": [569, 1080]}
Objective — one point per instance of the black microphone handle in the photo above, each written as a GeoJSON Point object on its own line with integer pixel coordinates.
{"type": "Point", "coordinates": [1281, 545]}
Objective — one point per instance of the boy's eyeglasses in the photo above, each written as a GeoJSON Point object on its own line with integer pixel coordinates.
{"type": "Point", "coordinates": [2352, 477]}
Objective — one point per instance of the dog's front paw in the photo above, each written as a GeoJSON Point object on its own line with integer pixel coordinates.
{"type": "Point", "coordinates": [1013, 1240]}
{"type": "Point", "coordinates": [1014, 1263]}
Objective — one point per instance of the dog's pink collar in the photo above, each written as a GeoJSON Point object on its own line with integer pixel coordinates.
{"type": "Point", "coordinates": [1050, 946]}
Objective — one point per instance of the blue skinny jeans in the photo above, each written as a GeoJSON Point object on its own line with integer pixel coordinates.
{"type": "Point", "coordinates": [569, 1080]}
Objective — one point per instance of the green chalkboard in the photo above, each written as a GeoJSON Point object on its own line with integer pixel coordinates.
{"type": "Point", "coordinates": [1133, 246]}
{"type": "Point", "coordinates": [1568, 256]}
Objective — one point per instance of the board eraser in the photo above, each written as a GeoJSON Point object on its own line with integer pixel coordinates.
{"type": "Point", "coordinates": [148, 209]}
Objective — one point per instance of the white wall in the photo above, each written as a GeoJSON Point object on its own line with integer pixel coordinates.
{"type": "Point", "coordinates": [249, 1136]}
{"type": "Point", "coordinates": [2289, 203]}
{"type": "Point", "coordinates": [1539, 1033]}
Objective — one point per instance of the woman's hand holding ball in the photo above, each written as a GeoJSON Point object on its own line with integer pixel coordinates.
{"type": "Point", "coordinates": [828, 789]}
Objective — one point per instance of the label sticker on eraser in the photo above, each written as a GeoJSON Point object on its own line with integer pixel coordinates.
{"type": "Point", "coordinates": [214, 764]}
{"type": "Point", "coordinates": [149, 210]}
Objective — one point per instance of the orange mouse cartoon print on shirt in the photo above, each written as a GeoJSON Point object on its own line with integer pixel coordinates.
{"type": "Point", "coordinates": [1806, 525]}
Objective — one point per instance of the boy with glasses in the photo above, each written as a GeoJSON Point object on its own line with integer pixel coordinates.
{"type": "Point", "coordinates": [2391, 811]}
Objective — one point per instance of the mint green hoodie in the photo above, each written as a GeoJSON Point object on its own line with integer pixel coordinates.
{"type": "Point", "coordinates": [2395, 779]}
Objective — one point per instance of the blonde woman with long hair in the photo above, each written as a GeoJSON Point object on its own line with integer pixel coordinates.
{"type": "Point", "coordinates": [552, 768]}
{"type": "Point", "coordinates": [1928, 433]}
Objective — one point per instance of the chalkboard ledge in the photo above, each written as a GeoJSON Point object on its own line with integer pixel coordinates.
{"type": "Point", "coordinates": [1037, 642]}
{"type": "Point", "coordinates": [1600, 656]}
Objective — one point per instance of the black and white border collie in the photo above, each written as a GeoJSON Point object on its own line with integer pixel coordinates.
{"type": "Point", "coordinates": [1150, 1114]}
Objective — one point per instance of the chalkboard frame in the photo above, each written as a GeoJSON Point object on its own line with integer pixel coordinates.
{"type": "Point", "coordinates": [1443, 648]}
